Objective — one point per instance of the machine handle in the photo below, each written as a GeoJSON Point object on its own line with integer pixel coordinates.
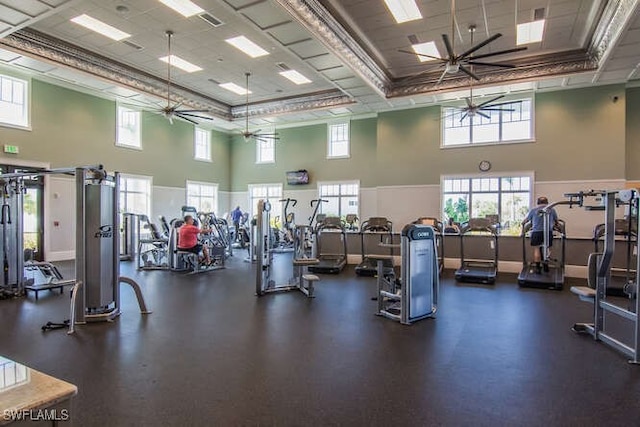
{"type": "Point", "coordinates": [6, 213]}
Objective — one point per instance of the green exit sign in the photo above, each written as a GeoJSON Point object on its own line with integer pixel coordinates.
{"type": "Point", "coordinates": [12, 149]}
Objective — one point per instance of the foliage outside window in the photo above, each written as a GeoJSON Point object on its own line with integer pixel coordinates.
{"type": "Point", "coordinates": [203, 196]}
{"type": "Point", "coordinates": [343, 198]}
{"type": "Point", "coordinates": [14, 102]}
{"type": "Point", "coordinates": [202, 144]}
{"type": "Point", "coordinates": [505, 198]}
{"type": "Point", "coordinates": [514, 123]}
{"type": "Point", "coordinates": [128, 127]}
{"type": "Point", "coordinates": [338, 141]}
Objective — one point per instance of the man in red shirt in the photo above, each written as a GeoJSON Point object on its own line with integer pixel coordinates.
{"type": "Point", "coordinates": [188, 239]}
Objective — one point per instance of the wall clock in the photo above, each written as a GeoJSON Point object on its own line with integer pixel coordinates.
{"type": "Point", "coordinates": [484, 165]}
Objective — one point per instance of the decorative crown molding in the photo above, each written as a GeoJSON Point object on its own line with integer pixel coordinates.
{"type": "Point", "coordinates": [615, 18]}
{"type": "Point", "coordinates": [325, 28]}
{"type": "Point", "coordinates": [316, 101]}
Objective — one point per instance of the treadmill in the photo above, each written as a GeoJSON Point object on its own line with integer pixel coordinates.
{"type": "Point", "coordinates": [623, 272]}
{"type": "Point", "coordinates": [382, 227]}
{"type": "Point", "coordinates": [331, 263]}
{"type": "Point", "coordinates": [478, 270]}
{"type": "Point", "coordinates": [438, 227]}
{"type": "Point", "coordinates": [552, 279]}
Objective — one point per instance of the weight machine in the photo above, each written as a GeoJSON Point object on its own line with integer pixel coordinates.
{"type": "Point", "coordinates": [291, 267]}
{"type": "Point", "coordinates": [600, 265]}
{"type": "Point", "coordinates": [96, 291]}
{"type": "Point", "coordinates": [414, 295]}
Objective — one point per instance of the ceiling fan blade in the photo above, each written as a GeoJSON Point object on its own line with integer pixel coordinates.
{"type": "Point", "coordinates": [490, 108]}
{"type": "Point", "coordinates": [469, 102]}
{"type": "Point", "coordinates": [447, 45]}
{"type": "Point", "coordinates": [486, 116]}
{"type": "Point", "coordinates": [491, 65]}
{"type": "Point", "coordinates": [464, 116]}
{"type": "Point", "coordinates": [186, 118]}
{"type": "Point", "coordinates": [417, 75]}
{"type": "Point", "coordinates": [479, 45]}
{"type": "Point", "coordinates": [468, 72]}
{"type": "Point", "coordinates": [197, 116]}
{"type": "Point", "coordinates": [505, 103]}
{"type": "Point", "coordinates": [421, 54]}
{"type": "Point", "coordinates": [441, 77]}
{"type": "Point", "coordinates": [490, 101]}
{"type": "Point", "coordinates": [502, 52]}
{"type": "Point", "coordinates": [195, 111]}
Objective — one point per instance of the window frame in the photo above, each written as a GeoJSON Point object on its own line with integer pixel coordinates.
{"type": "Point", "coordinates": [497, 175]}
{"type": "Point", "coordinates": [331, 142]}
{"type": "Point", "coordinates": [26, 105]}
{"type": "Point", "coordinates": [340, 196]}
{"type": "Point", "coordinates": [215, 186]}
{"type": "Point", "coordinates": [130, 108]}
{"type": "Point", "coordinates": [259, 158]}
{"type": "Point", "coordinates": [447, 110]}
{"type": "Point", "coordinates": [276, 208]}
{"type": "Point", "coordinates": [124, 177]}
{"type": "Point", "coordinates": [196, 131]}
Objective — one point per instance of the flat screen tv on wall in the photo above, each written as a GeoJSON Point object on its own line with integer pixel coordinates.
{"type": "Point", "coordinates": [299, 177]}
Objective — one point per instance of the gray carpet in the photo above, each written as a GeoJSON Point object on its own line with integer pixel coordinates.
{"type": "Point", "coordinates": [214, 354]}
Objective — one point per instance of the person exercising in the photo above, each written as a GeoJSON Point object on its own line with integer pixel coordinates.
{"type": "Point", "coordinates": [236, 216]}
{"type": "Point", "coordinates": [188, 239]}
{"type": "Point", "coordinates": [536, 217]}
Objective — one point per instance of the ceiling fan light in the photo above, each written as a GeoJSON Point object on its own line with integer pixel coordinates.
{"type": "Point", "coordinates": [247, 46]}
{"type": "Point", "coordinates": [100, 27]}
{"type": "Point", "coordinates": [185, 8]}
{"type": "Point", "coordinates": [178, 62]}
{"type": "Point", "coordinates": [428, 48]}
{"type": "Point", "coordinates": [530, 32]}
{"type": "Point", "coordinates": [235, 88]}
{"type": "Point", "coordinates": [403, 10]}
{"type": "Point", "coordinates": [295, 77]}
{"type": "Point", "coordinates": [452, 68]}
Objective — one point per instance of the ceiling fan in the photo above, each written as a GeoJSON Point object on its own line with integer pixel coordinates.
{"type": "Point", "coordinates": [454, 63]}
{"type": "Point", "coordinates": [173, 111]}
{"type": "Point", "coordinates": [471, 109]}
{"type": "Point", "coordinates": [256, 134]}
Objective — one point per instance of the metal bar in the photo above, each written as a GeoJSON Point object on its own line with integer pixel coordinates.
{"type": "Point", "coordinates": [138, 292]}
{"type": "Point", "coordinates": [60, 171]}
{"type": "Point", "coordinates": [612, 308]}
{"type": "Point", "coordinates": [74, 300]}
{"type": "Point", "coordinates": [80, 306]}
{"type": "Point", "coordinates": [608, 339]}
{"type": "Point", "coordinates": [115, 236]}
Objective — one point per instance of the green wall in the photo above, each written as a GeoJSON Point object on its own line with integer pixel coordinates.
{"type": "Point", "coordinates": [70, 128]}
{"type": "Point", "coordinates": [633, 134]}
{"type": "Point", "coordinates": [306, 148]}
{"type": "Point", "coordinates": [580, 134]}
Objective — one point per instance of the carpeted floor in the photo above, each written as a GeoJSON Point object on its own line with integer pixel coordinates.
{"type": "Point", "coordinates": [214, 354]}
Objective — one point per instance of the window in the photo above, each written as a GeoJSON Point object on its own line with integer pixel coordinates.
{"type": "Point", "coordinates": [343, 198]}
{"type": "Point", "coordinates": [513, 122]}
{"type": "Point", "coordinates": [338, 143]}
{"type": "Point", "coordinates": [135, 194]}
{"type": "Point", "coordinates": [14, 102]}
{"type": "Point", "coordinates": [202, 144]}
{"type": "Point", "coordinates": [203, 196]}
{"type": "Point", "coordinates": [505, 197]}
{"type": "Point", "coordinates": [271, 192]}
{"type": "Point", "coordinates": [128, 133]}
{"type": "Point", "coordinates": [265, 150]}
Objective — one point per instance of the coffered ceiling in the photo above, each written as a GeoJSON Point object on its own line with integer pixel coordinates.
{"type": "Point", "coordinates": [349, 49]}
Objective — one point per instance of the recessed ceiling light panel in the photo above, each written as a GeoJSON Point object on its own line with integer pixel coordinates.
{"type": "Point", "coordinates": [100, 27]}
{"type": "Point", "coordinates": [247, 46]}
{"type": "Point", "coordinates": [235, 88]}
{"type": "Point", "coordinates": [178, 62]}
{"type": "Point", "coordinates": [295, 77]}
{"type": "Point", "coordinates": [530, 32]}
{"type": "Point", "coordinates": [428, 48]}
{"type": "Point", "coordinates": [403, 10]}
{"type": "Point", "coordinates": [185, 8]}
